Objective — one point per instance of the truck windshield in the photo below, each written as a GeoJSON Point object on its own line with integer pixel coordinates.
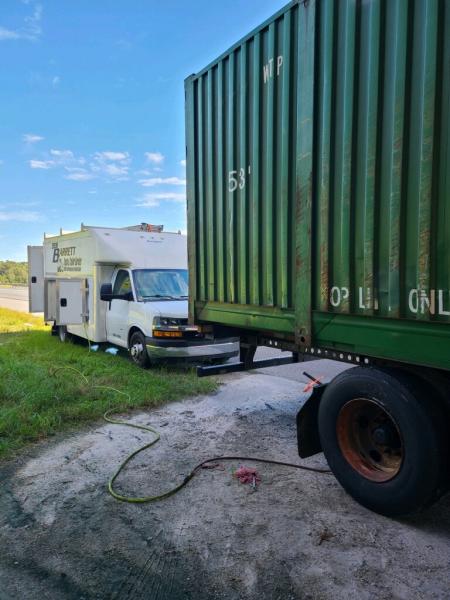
{"type": "Point", "coordinates": [161, 284]}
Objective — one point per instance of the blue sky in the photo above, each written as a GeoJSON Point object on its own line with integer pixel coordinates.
{"type": "Point", "coordinates": [92, 108]}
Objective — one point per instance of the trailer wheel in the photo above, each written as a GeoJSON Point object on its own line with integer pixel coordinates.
{"type": "Point", "coordinates": [384, 438]}
{"type": "Point", "coordinates": [138, 350]}
{"type": "Point", "coordinates": [63, 334]}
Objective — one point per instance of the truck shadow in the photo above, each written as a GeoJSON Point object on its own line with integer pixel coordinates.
{"type": "Point", "coordinates": [434, 520]}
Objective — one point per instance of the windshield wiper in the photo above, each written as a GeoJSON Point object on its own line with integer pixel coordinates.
{"type": "Point", "coordinates": [160, 296]}
{"type": "Point", "coordinates": [164, 297]}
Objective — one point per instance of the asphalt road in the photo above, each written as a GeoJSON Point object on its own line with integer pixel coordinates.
{"type": "Point", "coordinates": [15, 298]}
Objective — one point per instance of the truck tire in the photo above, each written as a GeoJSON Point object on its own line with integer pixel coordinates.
{"type": "Point", "coordinates": [63, 334]}
{"type": "Point", "coordinates": [138, 350]}
{"type": "Point", "coordinates": [439, 382]}
{"type": "Point", "coordinates": [384, 437]}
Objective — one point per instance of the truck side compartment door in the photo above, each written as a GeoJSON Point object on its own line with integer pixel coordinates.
{"type": "Point", "coordinates": [36, 278]}
{"type": "Point", "coordinates": [117, 315]}
{"type": "Point", "coordinates": [70, 301]}
{"type": "Point", "coordinates": [50, 301]}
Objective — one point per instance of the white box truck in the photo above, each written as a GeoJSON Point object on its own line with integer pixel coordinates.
{"type": "Point", "coordinates": [126, 286]}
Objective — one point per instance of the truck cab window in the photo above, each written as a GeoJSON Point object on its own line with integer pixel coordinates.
{"type": "Point", "coordinates": [122, 284]}
{"type": "Point", "coordinates": [154, 284]}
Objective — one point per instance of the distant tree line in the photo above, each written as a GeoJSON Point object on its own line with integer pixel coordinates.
{"type": "Point", "coordinates": [13, 272]}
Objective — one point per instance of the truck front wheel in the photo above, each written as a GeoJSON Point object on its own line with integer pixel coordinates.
{"type": "Point", "coordinates": [138, 350]}
{"type": "Point", "coordinates": [384, 437]}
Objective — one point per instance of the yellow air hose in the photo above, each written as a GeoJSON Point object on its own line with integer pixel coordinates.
{"type": "Point", "coordinates": [129, 458]}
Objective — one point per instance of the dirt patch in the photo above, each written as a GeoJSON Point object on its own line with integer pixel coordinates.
{"type": "Point", "coordinates": [297, 536]}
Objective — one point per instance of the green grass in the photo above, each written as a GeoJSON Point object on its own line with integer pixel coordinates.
{"type": "Point", "coordinates": [37, 400]}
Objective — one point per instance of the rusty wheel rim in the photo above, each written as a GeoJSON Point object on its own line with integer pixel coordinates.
{"type": "Point", "coordinates": [370, 439]}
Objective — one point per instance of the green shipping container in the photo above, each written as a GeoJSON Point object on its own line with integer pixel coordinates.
{"type": "Point", "coordinates": [318, 170]}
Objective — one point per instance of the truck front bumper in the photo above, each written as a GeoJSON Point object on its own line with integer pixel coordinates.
{"type": "Point", "coordinates": [203, 350]}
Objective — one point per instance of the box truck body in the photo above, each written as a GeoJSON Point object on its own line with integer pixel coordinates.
{"type": "Point", "coordinates": [147, 275]}
{"type": "Point", "coordinates": [318, 178]}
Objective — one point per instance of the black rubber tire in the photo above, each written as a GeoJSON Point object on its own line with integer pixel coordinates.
{"type": "Point", "coordinates": [139, 358]}
{"type": "Point", "coordinates": [421, 423]}
{"type": "Point", "coordinates": [439, 383]}
{"type": "Point", "coordinates": [63, 334]}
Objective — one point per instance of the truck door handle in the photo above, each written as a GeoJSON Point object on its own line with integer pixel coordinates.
{"type": "Point", "coordinates": [33, 279]}
{"type": "Point", "coordinates": [63, 302]}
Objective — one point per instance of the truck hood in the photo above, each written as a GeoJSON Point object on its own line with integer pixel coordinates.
{"type": "Point", "coordinates": [169, 308]}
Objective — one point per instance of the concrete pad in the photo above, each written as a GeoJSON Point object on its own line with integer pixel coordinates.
{"type": "Point", "coordinates": [297, 536]}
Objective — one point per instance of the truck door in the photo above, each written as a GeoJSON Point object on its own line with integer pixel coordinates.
{"type": "Point", "coordinates": [71, 301]}
{"type": "Point", "coordinates": [36, 278]}
{"type": "Point", "coordinates": [117, 315]}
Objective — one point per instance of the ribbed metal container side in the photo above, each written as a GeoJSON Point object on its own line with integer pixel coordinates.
{"type": "Point", "coordinates": [319, 170]}
{"type": "Point", "coordinates": [244, 113]}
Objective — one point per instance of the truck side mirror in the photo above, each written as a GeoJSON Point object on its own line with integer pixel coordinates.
{"type": "Point", "coordinates": [106, 292]}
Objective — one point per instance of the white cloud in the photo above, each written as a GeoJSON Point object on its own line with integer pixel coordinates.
{"type": "Point", "coordinates": [151, 200]}
{"type": "Point", "coordinates": [78, 174]}
{"type": "Point", "coordinates": [31, 138]}
{"type": "Point", "coordinates": [20, 204]}
{"type": "Point", "coordinates": [120, 156]}
{"type": "Point", "coordinates": [115, 170]}
{"type": "Point", "coordinates": [115, 165]}
{"type": "Point", "coordinates": [32, 23]}
{"type": "Point", "coordinates": [67, 159]}
{"type": "Point", "coordinates": [20, 215]}
{"type": "Point", "coordinates": [183, 162]}
{"type": "Point", "coordinates": [63, 154]}
{"type": "Point", "coordinates": [41, 164]}
{"type": "Point", "coordinates": [154, 157]}
{"type": "Point", "coordinates": [63, 159]}
{"type": "Point", "coordinates": [148, 203]}
{"type": "Point", "coordinates": [31, 29]}
{"type": "Point", "coordinates": [111, 166]}
{"type": "Point", "coordinates": [162, 181]}
{"type": "Point", "coordinates": [43, 81]}
{"type": "Point", "coordinates": [110, 169]}
{"type": "Point", "coordinates": [8, 34]}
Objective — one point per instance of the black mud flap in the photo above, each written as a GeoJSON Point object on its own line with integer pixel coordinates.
{"type": "Point", "coordinates": [308, 439]}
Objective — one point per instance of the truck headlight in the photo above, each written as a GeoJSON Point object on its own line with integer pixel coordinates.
{"type": "Point", "coordinates": [172, 327]}
{"type": "Point", "coordinates": [168, 322]}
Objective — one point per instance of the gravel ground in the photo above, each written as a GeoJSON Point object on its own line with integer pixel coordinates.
{"type": "Point", "coordinates": [298, 536]}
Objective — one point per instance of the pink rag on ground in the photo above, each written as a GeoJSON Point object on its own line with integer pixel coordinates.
{"type": "Point", "coordinates": [247, 475]}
